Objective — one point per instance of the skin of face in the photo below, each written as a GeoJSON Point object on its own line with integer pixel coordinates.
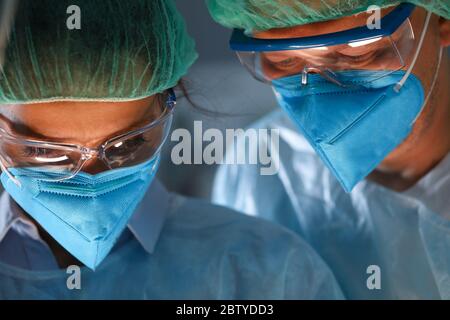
{"type": "Point", "coordinates": [429, 141]}
{"type": "Point", "coordinates": [85, 123]}
{"type": "Point", "coordinates": [375, 55]}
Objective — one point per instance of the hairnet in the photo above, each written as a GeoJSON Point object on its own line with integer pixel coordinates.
{"type": "Point", "coordinates": [124, 50]}
{"type": "Point", "coordinates": [254, 15]}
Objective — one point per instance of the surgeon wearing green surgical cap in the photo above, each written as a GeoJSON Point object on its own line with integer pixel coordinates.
{"type": "Point", "coordinates": [85, 106]}
{"type": "Point", "coordinates": [364, 169]}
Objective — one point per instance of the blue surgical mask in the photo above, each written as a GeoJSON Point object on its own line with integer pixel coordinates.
{"type": "Point", "coordinates": [87, 213]}
{"type": "Point", "coordinates": [352, 128]}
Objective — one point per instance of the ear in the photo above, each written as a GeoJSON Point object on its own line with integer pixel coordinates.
{"type": "Point", "coordinates": [444, 26]}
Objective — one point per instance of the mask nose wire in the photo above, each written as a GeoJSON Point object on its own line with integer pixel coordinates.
{"type": "Point", "coordinates": [401, 83]}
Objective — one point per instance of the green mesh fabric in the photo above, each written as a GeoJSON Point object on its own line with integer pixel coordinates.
{"type": "Point", "coordinates": [125, 50]}
{"type": "Point", "coordinates": [253, 15]}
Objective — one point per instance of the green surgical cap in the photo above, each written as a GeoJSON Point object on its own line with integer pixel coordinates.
{"type": "Point", "coordinates": [125, 50]}
{"type": "Point", "coordinates": [253, 15]}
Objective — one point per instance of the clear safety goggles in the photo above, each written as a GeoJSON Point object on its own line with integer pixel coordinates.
{"type": "Point", "coordinates": [385, 50]}
{"type": "Point", "coordinates": [61, 161]}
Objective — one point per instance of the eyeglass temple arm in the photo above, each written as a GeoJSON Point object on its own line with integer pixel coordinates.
{"type": "Point", "coordinates": [324, 72]}
{"type": "Point", "coordinates": [5, 170]}
{"type": "Point", "coordinates": [401, 83]}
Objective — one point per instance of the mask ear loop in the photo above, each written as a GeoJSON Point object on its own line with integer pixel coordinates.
{"type": "Point", "coordinates": [401, 83]}
{"type": "Point", "coordinates": [2, 166]}
{"type": "Point", "coordinates": [433, 83]}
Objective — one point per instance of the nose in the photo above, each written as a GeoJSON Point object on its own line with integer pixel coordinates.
{"type": "Point", "coordinates": [94, 165]}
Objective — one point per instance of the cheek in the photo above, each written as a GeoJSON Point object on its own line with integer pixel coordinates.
{"type": "Point", "coordinates": [12, 154]}
{"type": "Point", "coordinates": [420, 128]}
{"type": "Point", "coordinates": [426, 66]}
{"type": "Point", "coordinates": [421, 125]}
{"type": "Point", "coordinates": [445, 32]}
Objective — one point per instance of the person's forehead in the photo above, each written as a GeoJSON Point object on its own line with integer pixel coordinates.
{"type": "Point", "coordinates": [94, 119]}
{"type": "Point", "coordinates": [73, 110]}
{"type": "Point", "coordinates": [318, 28]}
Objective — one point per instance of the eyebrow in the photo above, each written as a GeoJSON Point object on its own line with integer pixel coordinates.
{"type": "Point", "coordinates": [17, 126]}
{"type": "Point", "coordinates": [27, 132]}
{"type": "Point", "coordinates": [24, 131]}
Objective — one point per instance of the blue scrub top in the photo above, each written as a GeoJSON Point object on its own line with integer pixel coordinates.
{"type": "Point", "coordinates": [380, 244]}
{"type": "Point", "coordinates": [174, 248]}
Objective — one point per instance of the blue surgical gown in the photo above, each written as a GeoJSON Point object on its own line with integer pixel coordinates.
{"type": "Point", "coordinates": [405, 235]}
{"type": "Point", "coordinates": [202, 251]}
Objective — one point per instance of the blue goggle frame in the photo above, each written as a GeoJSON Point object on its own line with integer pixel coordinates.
{"type": "Point", "coordinates": [390, 23]}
